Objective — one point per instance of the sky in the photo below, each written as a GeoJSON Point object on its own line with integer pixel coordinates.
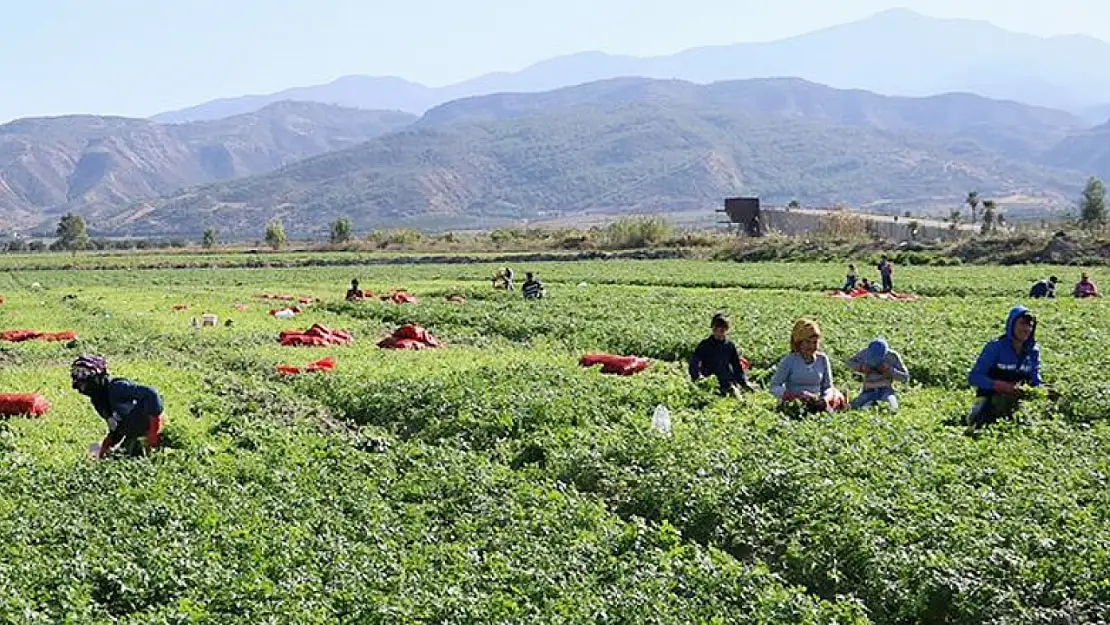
{"type": "Point", "coordinates": [141, 57]}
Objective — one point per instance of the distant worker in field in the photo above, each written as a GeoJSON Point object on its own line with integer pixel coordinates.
{"type": "Point", "coordinates": [133, 411]}
{"type": "Point", "coordinates": [880, 367]}
{"type": "Point", "coordinates": [532, 288]}
{"type": "Point", "coordinates": [868, 286]}
{"type": "Point", "coordinates": [355, 294]}
{"type": "Point", "coordinates": [850, 280]}
{"type": "Point", "coordinates": [1004, 367]}
{"type": "Point", "coordinates": [1086, 287]}
{"type": "Point", "coordinates": [805, 374]}
{"type": "Point", "coordinates": [716, 355]}
{"type": "Point", "coordinates": [504, 278]}
{"type": "Point", "coordinates": [1044, 288]}
{"type": "Point", "coordinates": [886, 272]}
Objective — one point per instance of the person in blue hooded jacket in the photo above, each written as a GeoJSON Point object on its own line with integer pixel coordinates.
{"type": "Point", "coordinates": [880, 367]}
{"type": "Point", "coordinates": [1005, 365]}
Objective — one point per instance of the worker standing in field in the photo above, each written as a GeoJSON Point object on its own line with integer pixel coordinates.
{"type": "Point", "coordinates": [133, 411]}
{"type": "Point", "coordinates": [532, 288]}
{"type": "Point", "coordinates": [716, 355]}
{"type": "Point", "coordinates": [886, 272]}
{"type": "Point", "coordinates": [805, 374]}
{"type": "Point", "coordinates": [1044, 288]}
{"type": "Point", "coordinates": [1004, 367]}
{"type": "Point", "coordinates": [880, 367]}
{"type": "Point", "coordinates": [504, 276]}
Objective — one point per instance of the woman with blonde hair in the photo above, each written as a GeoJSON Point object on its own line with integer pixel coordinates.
{"type": "Point", "coordinates": [805, 374]}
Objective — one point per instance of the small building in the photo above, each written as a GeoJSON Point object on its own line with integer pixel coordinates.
{"type": "Point", "coordinates": [746, 213]}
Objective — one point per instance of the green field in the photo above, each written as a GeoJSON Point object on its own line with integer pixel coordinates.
{"type": "Point", "coordinates": [496, 481]}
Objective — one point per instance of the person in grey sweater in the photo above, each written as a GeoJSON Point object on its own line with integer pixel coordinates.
{"type": "Point", "coordinates": [805, 374]}
{"type": "Point", "coordinates": [880, 367]}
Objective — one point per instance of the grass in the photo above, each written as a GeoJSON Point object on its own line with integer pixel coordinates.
{"type": "Point", "coordinates": [495, 480]}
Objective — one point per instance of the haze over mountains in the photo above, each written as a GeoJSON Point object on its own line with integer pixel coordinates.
{"type": "Point", "coordinates": [532, 147]}
{"type": "Point", "coordinates": [896, 52]}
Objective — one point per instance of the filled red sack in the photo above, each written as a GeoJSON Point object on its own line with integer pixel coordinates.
{"type": "Point", "coordinates": [17, 336]}
{"type": "Point", "coordinates": [409, 336]}
{"type": "Point", "coordinates": [400, 297]}
{"type": "Point", "coordinates": [612, 363]}
{"type": "Point", "coordinates": [180, 306]}
{"type": "Point", "coordinates": [13, 404]}
{"type": "Point", "coordinates": [324, 364]}
{"type": "Point", "coordinates": [315, 335]}
{"type": "Point", "coordinates": [304, 300]}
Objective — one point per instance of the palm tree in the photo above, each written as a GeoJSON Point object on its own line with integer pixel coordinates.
{"type": "Point", "coordinates": [973, 202]}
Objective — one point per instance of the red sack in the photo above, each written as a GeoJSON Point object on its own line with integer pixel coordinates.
{"type": "Point", "coordinates": [17, 336]}
{"type": "Point", "coordinates": [305, 300]}
{"type": "Point", "coordinates": [64, 335]}
{"type": "Point", "coordinates": [324, 364]}
{"type": "Point", "coordinates": [611, 363]}
{"type": "Point", "coordinates": [1, 299]}
{"type": "Point", "coordinates": [284, 368]}
{"type": "Point", "coordinates": [13, 404]}
{"type": "Point", "coordinates": [180, 306]}
{"type": "Point", "coordinates": [400, 297]}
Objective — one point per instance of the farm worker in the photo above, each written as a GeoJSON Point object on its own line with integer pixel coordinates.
{"type": "Point", "coordinates": [868, 286]}
{"type": "Point", "coordinates": [1044, 288]}
{"type": "Point", "coordinates": [805, 374]}
{"type": "Point", "coordinates": [1003, 366]}
{"type": "Point", "coordinates": [133, 411]}
{"type": "Point", "coordinates": [886, 271]}
{"type": "Point", "coordinates": [850, 281]}
{"type": "Point", "coordinates": [503, 276]}
{"type": "Point", "coordinates": [355, 294]}
{"type": "Point", "coordinates": [1085, 287]}
{"type": "Point", "coordinates": [533, 288]}
{"type": "Point", "coordinates": [717, 355]}
{"type": "Point", "coordinates": [880, 367]}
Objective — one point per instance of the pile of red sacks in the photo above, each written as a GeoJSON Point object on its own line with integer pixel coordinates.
{"type": "Point", "coordinates": [612, 363]}
{"type": "Point", "coordinates": [316, 335]}
{"type": "Point", "coordinates": [14, 404]}
{"type": "Point", "coordinates": [860, 292]}
{"type": "Point", "coordinates": [17, 336]}
{"type": "Point", "coordinates": [409, 336]}
{"type": "Point", "coordinates": [324, 364]}
{"type": "Point", "coordinates": [400, 297]}
{"type": "Point", "coordinates": [285, 298]}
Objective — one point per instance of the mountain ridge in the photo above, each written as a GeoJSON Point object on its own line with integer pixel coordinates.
{"type": "Point", "coordinates": [893, 52]}
{"type": "Point", "coordinates": [643, 145]}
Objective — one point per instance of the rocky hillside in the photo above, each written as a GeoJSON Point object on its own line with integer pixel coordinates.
{"type": "Point", "coordinates": [91, 164]}
{"type": "Point", "coordinates": [635, 144]}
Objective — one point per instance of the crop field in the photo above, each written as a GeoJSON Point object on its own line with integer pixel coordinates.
{"type": "Point", "coordinates": [494, 480]}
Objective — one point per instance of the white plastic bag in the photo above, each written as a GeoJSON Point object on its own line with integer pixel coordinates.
{"type": "Point", "coordinates": [285, 313]}
{"type": "Point", "coordinates": [661, 420]}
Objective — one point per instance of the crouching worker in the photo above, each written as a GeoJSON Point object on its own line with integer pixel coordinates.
{"type": "Point", "coordinates": [716, 355]}
{"type": "Point", "coordinates": [532, 288]}
{"type": "Point", "coordinates": [805, 374]}
{"type": "Point", "coordinates": [355, 294]}
{"type": "Point", "coordinates": [133, 411]}
{"type": "Point", "coordinates": [1004, 366]}
{"type": "Point", "coordinates": [880, 367]}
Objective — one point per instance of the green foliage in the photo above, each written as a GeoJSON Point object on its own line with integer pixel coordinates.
{"type": "Point", "coordinates": [72, 233]}
{"type": "Point", "coordinates": [275, 234]}
{"type": "Point", "coordinates": [208, 241]}
{"type": "Point", "coordinates": [341, 231]}
{"type": "Point", "coordinates": [637, 232]}
{"type": "Point", "coordinates": [1092, 208]}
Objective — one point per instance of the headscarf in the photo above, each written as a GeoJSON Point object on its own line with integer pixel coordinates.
{"type": "Point", "coordinates": [803, 329]}
{"type": "Point", "coordinates": [876, 352]}
{"type": "Point", "coordinates": [87, 366]}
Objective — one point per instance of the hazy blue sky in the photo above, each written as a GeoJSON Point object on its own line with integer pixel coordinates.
{"type": "Point", "coordinates": [140, 57]}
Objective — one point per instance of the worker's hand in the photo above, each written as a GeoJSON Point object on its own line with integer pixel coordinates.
{"type": "Point", "coordinates": [884, 369]}
{"type": "Point", "coordinates": [1006, 388]}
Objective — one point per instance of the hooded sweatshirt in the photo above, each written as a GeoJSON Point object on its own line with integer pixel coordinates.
{"type": "Point", "coordinates": [876, 354]}
{"type": "Point", "coordinates": [126, 406]}
{"type": "Point", "coordinates": [999, 360]}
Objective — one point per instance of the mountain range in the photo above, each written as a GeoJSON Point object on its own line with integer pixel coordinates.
{"type": "Point", "coordinates": [87, 163]}
{"type": "Point", "coordinates": [529, 147]}
{"type": "Point", "coordinates": [636, 144]}
{"type": "Point", "coordinates": [895, 52]}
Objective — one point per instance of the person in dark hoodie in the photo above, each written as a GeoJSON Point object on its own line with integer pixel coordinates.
{"type": "Point", "coordinates": [133, 411]}
{"type": "Point", "coordinates": [716, 355]}
{"type": "Point", "coordinates": [1005, 365]}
